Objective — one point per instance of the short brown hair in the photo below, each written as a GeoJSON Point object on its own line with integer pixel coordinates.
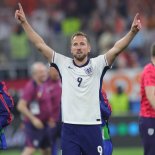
{"type": "Point", "coordinates": [80, 34]}
{"type": "Point", "coordinates": [153, 50]}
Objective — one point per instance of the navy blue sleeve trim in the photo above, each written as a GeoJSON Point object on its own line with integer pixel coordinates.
{"type": "Point", "coordinates": [53, 57]}
{"type": "Point", "coordinates": [56, 67]}
{"type": "Point", "coordinates": [101, 81]}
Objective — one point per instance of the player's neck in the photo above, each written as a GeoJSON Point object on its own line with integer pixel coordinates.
{"type": "Point", "coordinates": [39, 83]}
{"type": "Point", "coordinates": [80, 63]}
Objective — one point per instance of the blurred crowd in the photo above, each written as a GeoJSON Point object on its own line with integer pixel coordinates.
{"type": "Point", "coordinates": [105, 21]}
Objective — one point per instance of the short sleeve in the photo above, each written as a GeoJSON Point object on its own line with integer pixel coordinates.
{"type": "Point", "coordinates": [101, 62]}
{"type": "Point", "coordinates": [59, 60]}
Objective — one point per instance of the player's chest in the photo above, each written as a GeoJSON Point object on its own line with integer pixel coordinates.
{"type": "Point", "coordinates": [79, 77]}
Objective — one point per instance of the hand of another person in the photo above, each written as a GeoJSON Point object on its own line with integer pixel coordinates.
{"type": "Point", "coordinates": [136, 25]}
{"type": "Point", "coordinates": [20, 15]}
{"type": "Point", "coordinates": [37, 123]}
{"type": "Point", "coordinates": [51, 123]}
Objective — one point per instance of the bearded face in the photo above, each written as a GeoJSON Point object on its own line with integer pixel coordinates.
{"type": "Point", "coordinates": [80, 48]}
{"type": "Point", "coordinates": [80, 55]}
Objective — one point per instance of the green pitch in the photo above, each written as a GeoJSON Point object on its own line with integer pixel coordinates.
{"type": "Point", "coordinates": [14, 152]}
{"type": "Point", "coordinates": [117, 151]}
{"type": "Point", "coordinates": [128, 151]}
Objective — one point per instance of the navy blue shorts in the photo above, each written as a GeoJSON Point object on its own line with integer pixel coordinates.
{"type": "Point", "coordinates": [147, 133]}
{"type": "Point", "coordinates": [37, 138]}
{"type": "Point", "coordinates": [81, 140]}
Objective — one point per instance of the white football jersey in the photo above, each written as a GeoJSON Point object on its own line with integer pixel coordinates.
{"type": "Point", "coordinates": [80, 89]}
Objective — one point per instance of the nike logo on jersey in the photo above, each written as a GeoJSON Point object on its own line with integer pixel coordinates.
{"type": "Point", "coordinates": [70, 67]}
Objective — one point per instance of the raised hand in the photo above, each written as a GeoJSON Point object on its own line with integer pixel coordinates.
{"type": "Point", "coordinates": [136, 25]}
{"type": "Point", "coordinates": [20, 15]}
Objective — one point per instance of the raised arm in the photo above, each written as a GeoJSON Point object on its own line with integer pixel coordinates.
{"type": "Point", "coordinates": [121, 44]}
{"type": "Point", "coordinates": [32, 35]}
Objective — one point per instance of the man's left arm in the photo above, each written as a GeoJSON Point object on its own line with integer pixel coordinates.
{"type": "Point", "coordinates": [121, 44]}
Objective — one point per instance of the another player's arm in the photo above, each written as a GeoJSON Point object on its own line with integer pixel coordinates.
{"type": "Point", "coordinates": [150, 94]}
{"type": "Point", "coordinates": [32, 35]}
{"type": "Point", "coordinates": [22, 107]}
{"type": "Point", "coordinates": [124, 42]}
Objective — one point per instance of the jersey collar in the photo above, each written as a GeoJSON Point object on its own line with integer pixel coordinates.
{"type": "Point", "coordinates": [83, 64]}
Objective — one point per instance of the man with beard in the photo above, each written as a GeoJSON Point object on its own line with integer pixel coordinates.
{"type": "Point", "coordinates": [81, 129]}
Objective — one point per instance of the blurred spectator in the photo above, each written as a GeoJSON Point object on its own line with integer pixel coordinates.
{"type": "Point", "coordinates": [122, 61]}
{"type": "Point", "coordinates": [39, 20]}
{"type": "Point", "coordinates": [55, 17]}
{"type": "Point", "coordinates": [122, 8]}
{"type": "Point", "coordinates": [70, 25]}
{"type": "Point", "coordinates": [55, 113]}
{"type": "Point", "coordinates": [119, 24]}
{"type": "Point", "coordinates": [29, 8]}
{"type": "Point", "coordinates": [147, 105]}
{"type": "Point", "coordinates": [19, 45]}
{"type": "Point", "coordinates": [71, 22]}
{"type": "Point", "coordinates": [95, 24]}
{"type": "Point", "coordinates": [48, 3]}
{"type": "Point", "coordinates": [105, 41]}
{"type": "Point", "coordinates": [86, 7]}
{"type": "Point", "coordinates": [15, 95]}
{"type": "Point", "coordinates": [127, 59]}
{"type": "Point", "coordinates": [119, 101]}
{"type": "Point", "coordinates": [5, 27]}
{"type": "Point", "coordinates": [40, 110]}
{"type": "Point", "coordinates": [3, 58]}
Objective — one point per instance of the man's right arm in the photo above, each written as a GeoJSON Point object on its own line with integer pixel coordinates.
{"type": "Point", "coordinates": [22, 107]}
{"type": "Point", "coordinates": [32, 35]}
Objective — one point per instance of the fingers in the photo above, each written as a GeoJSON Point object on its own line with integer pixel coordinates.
{"type": "Point", "coordinates": [17, 14]}
{"type": "Point", "coordinates": [137, 17]}
{"type": "Point", "coordinates": [136, 25]}
{"type": "Point", "coordinates": [137, 21]}
{"type": "Point", "coordinates": [20, 7]}
{"type": "Point", "coordinates": [139, 25]}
